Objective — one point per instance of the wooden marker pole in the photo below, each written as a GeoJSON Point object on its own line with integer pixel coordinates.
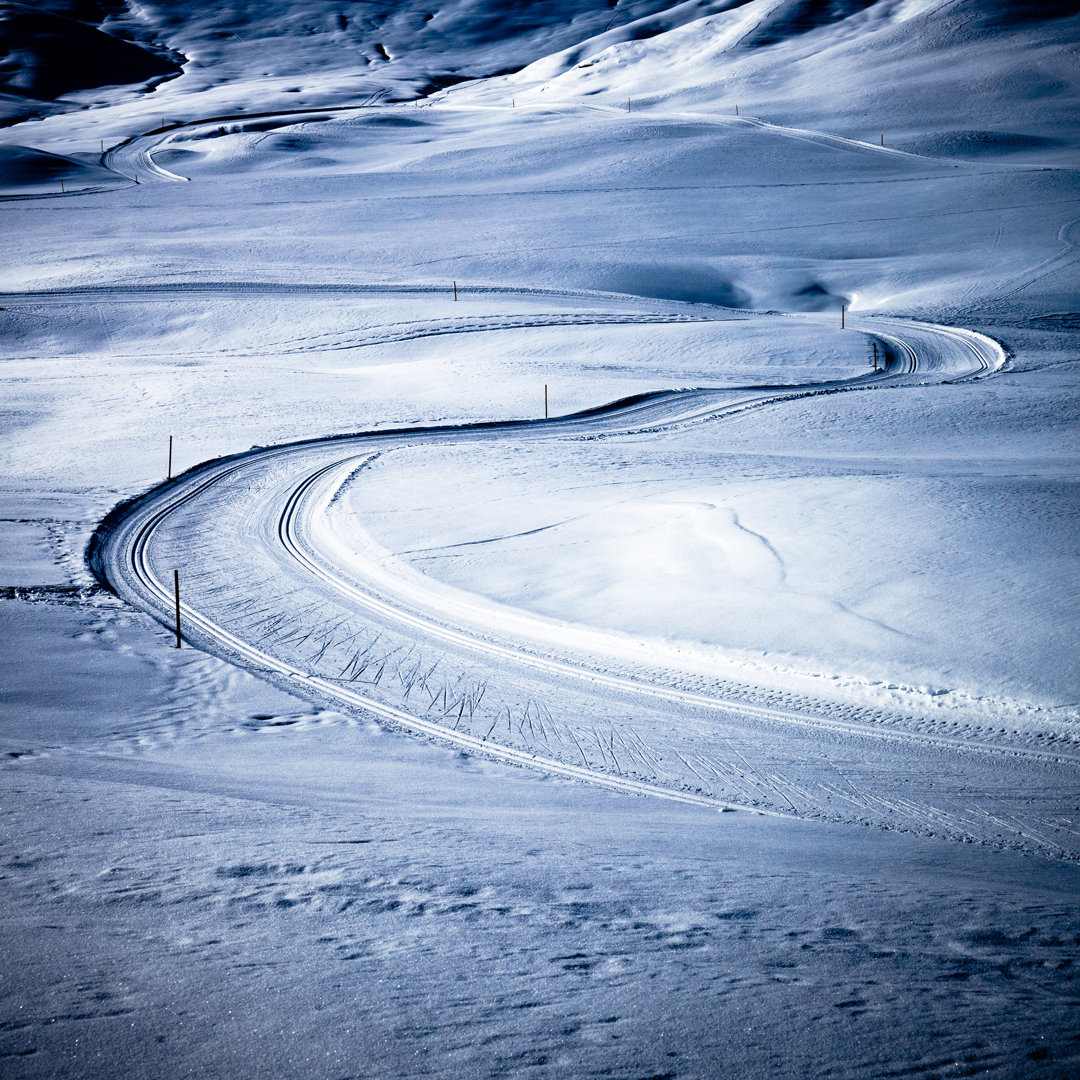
{"type": "Point", "coordinates": [168, 475]}
{"type": "Point", "coordinates": [455, 290]}
{"type": "Point", "coordinates": [736, 110]}
{"type": "Point", "coordinates": [61, 185]}
{"type": "Point", "coordinates": [103, 146]}
{"type": "Point", "coordinates": [841, 316]}
{"type": "Point", "coordinates": [627, 104]}
{"type": "Point", "coordinates": [545, 402]}
{"type": "Point", "coordinates": [883, 138]}
{"type": "Point", "coordinates": [176, 594]}
{"type": "Point", "coordinates": [875, 355]}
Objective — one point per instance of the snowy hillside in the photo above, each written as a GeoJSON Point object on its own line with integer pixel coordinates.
{"type": "Point", "coordinates": [615, 468]}
{"type": "Point", "coordinates": [937, 78]}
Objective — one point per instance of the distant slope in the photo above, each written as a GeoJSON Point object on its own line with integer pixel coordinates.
{"type": "Point", "coordinates": [402, 48]}
{"type": "Point", "coordinates": [968, 77]}
{"type": "Point", "coordinates": [942, 77]}
{"type": "Point", "coordinates": [464, 38]}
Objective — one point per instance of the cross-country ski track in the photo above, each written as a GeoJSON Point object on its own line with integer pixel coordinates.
{"type": "Point", "coordinates": [260, 589]}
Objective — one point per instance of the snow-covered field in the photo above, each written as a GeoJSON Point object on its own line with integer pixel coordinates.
{"type": "Point", "coordinates": [624, 494]}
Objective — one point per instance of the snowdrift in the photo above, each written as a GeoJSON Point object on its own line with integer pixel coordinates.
{"type": "Point", "coordinates": [22, 168]}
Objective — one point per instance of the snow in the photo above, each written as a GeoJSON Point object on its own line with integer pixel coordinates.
{"type": "Point", "coordinates": [782, 560]}
{"type": "Point", "coordinates": [841, 602]}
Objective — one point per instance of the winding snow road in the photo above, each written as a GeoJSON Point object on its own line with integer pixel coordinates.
{"type": "Point", "coordinates": [262, 588]}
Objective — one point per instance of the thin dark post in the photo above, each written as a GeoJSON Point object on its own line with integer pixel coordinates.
{"type": "Point", "coordinates": [545, 402]}
{"type": "Point", "coordinates": [513, 103]}
{"type": "Point", "coordinates": [103, 146]}
{"type": "Point", "coordinates": [841, 316]}
{"type": "Point", "coordinates": [883, 138]}
{"type": "Point", "coordinates": [736, 110]}
{"type": "Point", "coordinates": [61, 185]}
{"type": "Point", "coordinates": [875, 355]}
{"type": "Point", "coordinates": [176, 594]}
{"type": "Point", "coordinates": [168, 475]}
{"type": "Point", "coordinates": [627, 104]}
{"type": "Point", "coordinates": [455, 290]}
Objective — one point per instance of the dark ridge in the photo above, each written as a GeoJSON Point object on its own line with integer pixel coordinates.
{"type": "Point", "coordinates": [45, 56]}
{"type": "Point", "coordinates": [435, 83]}
{"type": "Point", "coordinates": [626, 402]}
{"type": "Point", "coordinates": [802, 16]}
{"type": "Point", "coordinates": [1009, 13]}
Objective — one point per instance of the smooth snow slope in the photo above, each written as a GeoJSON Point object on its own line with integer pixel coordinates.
{"type": "Point", "coordinates": [952, 78]}
{"type": "Point", "coordinates": [857, 605]}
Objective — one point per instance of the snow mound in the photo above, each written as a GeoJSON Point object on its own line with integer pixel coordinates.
{"type": "Point", "coordinates": [23, 167]}
{"type": "Point", "coordinates": [976, 144]}
{"type": "Point", "coordinates": [696, 283]}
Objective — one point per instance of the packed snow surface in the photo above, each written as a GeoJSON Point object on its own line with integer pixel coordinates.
{"type": "Point", "coordinates": [620, 463]}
